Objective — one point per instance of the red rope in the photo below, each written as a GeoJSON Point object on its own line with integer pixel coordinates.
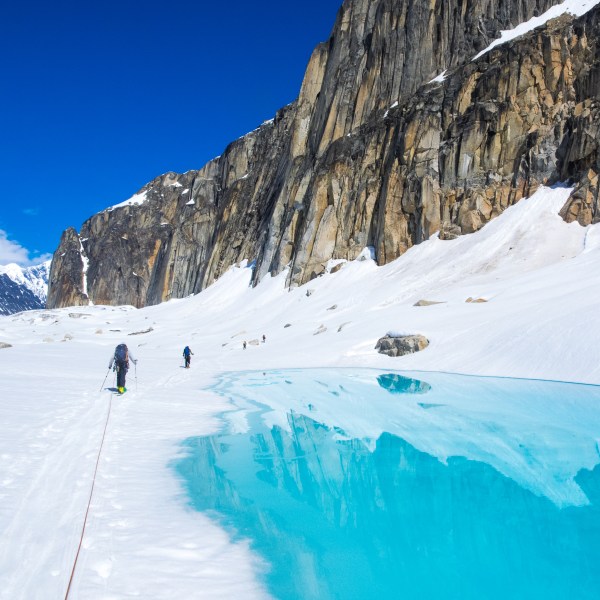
{"type": "Point", "coordinates": [89, 500]}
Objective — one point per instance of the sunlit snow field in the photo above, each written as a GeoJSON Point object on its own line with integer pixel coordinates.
{"type": "Point", "coordinates": [538, 282]}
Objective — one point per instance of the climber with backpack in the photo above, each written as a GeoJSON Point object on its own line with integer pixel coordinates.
{"type": "Point", "coordinates": [120, 363]}
{"type": "Point", "coordinates": [187, 356]}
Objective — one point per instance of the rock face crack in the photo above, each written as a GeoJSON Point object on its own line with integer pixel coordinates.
{"type": "Point", "coordinates": [370, 154]}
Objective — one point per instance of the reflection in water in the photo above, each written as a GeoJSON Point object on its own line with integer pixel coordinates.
{"type": "Point", "coordinates": [397, 384]}
{"type": "Point", "coordinates": [336, 519]}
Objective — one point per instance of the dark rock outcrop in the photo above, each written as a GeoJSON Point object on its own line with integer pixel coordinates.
{"type": "Point", "coordinates": [401, 345]}
{"type": "Point", "coordinates": [372, 153]}
{"type": "Point", "coordinates": [67, 278]}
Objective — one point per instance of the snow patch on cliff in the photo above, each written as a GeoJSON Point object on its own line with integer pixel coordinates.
{"type": "Point", "coordinates": [576, 8]}
{"type": "Point", "coordinates": [86, 263]}
{"type": "Point", "coordinates": [135, 200]}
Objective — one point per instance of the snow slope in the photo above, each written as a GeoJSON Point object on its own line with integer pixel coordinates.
{"type": "Point", "coordinates": [539, 276]}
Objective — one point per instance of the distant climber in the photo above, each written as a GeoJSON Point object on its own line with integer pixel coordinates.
{"type": "Point", "coordinates": [120, 363]}
{"type": "Point", "coordinates": [244, 345]}
{"type": "Point", "coordinates": [264, 338]}
{"type": "Point", "coordinates": [187, 356]}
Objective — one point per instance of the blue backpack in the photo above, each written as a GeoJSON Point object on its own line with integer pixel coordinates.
{"type": "Point", "coordinates": [121, 354]}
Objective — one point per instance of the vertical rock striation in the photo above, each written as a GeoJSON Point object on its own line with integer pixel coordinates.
{"type": "Point", "coordinates": [372, 153]}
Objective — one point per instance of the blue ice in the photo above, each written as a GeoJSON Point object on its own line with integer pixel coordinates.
{"type": "Point", "coordinates": [339, 514]}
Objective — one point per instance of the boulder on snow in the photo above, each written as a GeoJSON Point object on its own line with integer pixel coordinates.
{"type": "Point", "coordinates": [142, 332]}
{"type": "Point", "coordinates": [5, 345]}
{"type": "Point", "coordinates": [401, 345]}
{"type": "Point", "coordinates": [475, 300]}
{"type": "Point", "coordinates": [427, 303]}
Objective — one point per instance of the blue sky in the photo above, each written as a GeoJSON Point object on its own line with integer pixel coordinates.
{"type": "Point", "coordinates": [101, 97]}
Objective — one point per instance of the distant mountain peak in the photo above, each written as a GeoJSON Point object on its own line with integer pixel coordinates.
{"type": "Point", "coordinates": [23, 288]}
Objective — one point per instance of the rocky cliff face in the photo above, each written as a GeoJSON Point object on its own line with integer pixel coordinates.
{"type": "Point", "coordinates": [372, 153]}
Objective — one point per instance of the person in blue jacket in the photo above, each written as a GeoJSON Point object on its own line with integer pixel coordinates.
{"type": "Point", "coordinates": [187, 355]}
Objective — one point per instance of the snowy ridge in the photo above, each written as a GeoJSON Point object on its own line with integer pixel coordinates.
{"type": "Point", "coordinates": [266, 123]}
{"type": "Point", "coordinates": [539, 276]}
{"type": "Point", "coordinates": [135, 200]}
{"type": "Point", "coordinates": [577, 8]}
{"type": "Point", "coordinates": [23, 288]}
{"type": "Point", "coordinates": [35, 278]}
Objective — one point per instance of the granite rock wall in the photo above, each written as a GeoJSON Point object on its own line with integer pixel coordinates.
{"type": "Point", "coordinates": [372, 153]}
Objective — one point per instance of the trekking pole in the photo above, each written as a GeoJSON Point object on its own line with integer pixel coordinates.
{"type": "Point", "coordinates": [135, 369]}
{"type": "Point", "coordinates": [107, 372]}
